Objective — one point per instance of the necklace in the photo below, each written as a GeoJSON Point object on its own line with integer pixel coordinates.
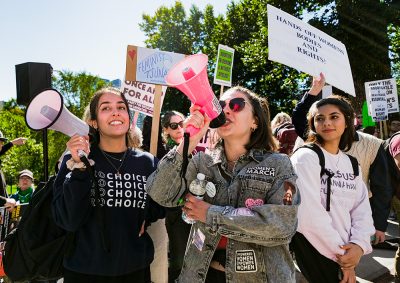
{"type": "Point", "coordinates": [117, 170]}
{"type": "Point", "coordinates": [337, 162]}
{"type": "Point", "coordinates": [109, 155]}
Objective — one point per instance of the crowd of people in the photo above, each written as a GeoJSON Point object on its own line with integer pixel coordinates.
{"type": "Point", "coordinates": [309, 188]}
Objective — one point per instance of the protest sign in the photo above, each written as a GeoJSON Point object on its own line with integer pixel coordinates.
{"type": "Point", "coordinates": [388, 87]}
{"type": "Point", "coordinates": [223, 70]}
{"type": "Point", "coordinates": [301, 46]}
{"type": "Point", "coordinates": [140, 96]}
{"type": "Point", "coordinates": [378, 104]}
{"type": "Point", "coordinates": [149, 65]}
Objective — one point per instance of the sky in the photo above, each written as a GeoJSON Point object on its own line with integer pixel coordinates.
{"type": "Point", "coordinates": [75, 35]}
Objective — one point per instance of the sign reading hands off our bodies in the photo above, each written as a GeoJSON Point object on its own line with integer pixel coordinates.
{"type": "Point", "coordinates": [301, 46]}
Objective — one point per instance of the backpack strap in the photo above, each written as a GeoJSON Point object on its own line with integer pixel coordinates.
{"type": "Point", "coordinates": [354, 163]}
{"type": "Point", "coordinates": [323, 171]}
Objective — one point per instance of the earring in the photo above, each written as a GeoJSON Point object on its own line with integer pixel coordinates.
{"type": "Point", "coordinates": [253, 130]}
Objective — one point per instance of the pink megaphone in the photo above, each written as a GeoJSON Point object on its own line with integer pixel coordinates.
{"type": "Point", "coordinates": [190, 77]}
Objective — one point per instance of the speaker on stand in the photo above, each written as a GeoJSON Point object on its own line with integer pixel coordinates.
{"type": "Point", "coordinates": [31, 78]}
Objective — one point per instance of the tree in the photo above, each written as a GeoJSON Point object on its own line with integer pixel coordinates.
{"type": "Point", "coordinates": [77, 89]}
{"type": "Point", "coordinates": [368, 28]}
{"type": "Point", "coordinates": [170, 29]}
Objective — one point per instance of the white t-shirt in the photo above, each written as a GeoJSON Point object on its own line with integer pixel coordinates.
{"type": "Point", "coordinates": [349, 218]}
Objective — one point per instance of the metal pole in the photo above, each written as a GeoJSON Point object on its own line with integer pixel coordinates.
{"type": "Point", "coordinates": [45, 156]}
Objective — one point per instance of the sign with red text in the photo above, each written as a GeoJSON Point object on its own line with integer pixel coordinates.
{"type": "Point", "coordinates": [149, 65]}
{"type": "Point", "coordinates": [140, 96]}
{"type": "Point", "coordinates": [301, 46]}
{"type": "Point", "coordinates": [387, 87]}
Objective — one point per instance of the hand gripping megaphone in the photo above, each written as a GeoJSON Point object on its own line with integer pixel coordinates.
{"type": "Point", "coordinates": [47, 111]}
{"type": "Point", "coordinates": [190, 77]}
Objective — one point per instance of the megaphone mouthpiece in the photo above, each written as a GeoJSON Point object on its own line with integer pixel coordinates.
{"type": "Point", "coordinates": [188, 73]}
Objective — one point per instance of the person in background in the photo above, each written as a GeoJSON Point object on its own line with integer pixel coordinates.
{"type": "Point", "coordinates": [172, 128]}
{"type": "Point", "coordinates": [369, 152]}
{"type": "Point", "coordinates": [25, 187]}
{"type": "Point", "coordinates": [177, 229]}
{"type": "Point", "coordinates": [394, 150]}
{"type": "Point", "coordinates": [157, 231]}
{"type": "Point", "coordinates": [280, 119]}
{"type": "Point", "coordinates": [111, 242]}
{"type": "Point", "coordinates": [248, 215]}
{"type": "Point", "coordinates": [284, 131]}
{"type": "Point", "coordinates": [358, 122]}
{"type": "Point", "coordinates": [394, 125]}
{"type": "Point", "coordinates": [5, 201]}
{"type": "Point", "coordinates": [6, 146]}
{"type": "Point", "coordinates": [335, 231]}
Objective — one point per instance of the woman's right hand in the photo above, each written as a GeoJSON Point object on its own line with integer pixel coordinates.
{"type": "Point", "coordinates": [198, 120]}
{"type": "Point", "coordinates": [318, 84]}
{"type": "Point", "coordinates": [77, 143]}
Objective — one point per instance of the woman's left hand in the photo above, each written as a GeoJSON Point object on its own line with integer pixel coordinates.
{"type": "Point", "coordinates": [352, 255]}
{"type": "Point", "coordinates": [195, 208]}
{"type": "Point", "coordinates": [349, 276]}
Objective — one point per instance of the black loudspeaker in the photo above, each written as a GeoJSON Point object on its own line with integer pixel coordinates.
{"type": "Point", "coordinates": [31, 78]}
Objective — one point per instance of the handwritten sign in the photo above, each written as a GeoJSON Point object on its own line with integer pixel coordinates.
{"type": "Point", "coordinates": [223, 70]}
{"type": "Point", "coordinates": [388, 87]}
{"type": "Point", "coordinates": [149, 65]}
{"type": "Point", "coordinates": [378, 104]}
{"type": "Point", "coordinates": [301, 46]}
{"type": "Point", "coordinates": [140, 96]}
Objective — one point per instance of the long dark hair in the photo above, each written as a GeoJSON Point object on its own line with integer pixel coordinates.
{"type": "Point", "coordinates": [262, 137]}
{"type": "Point", "coordinates": [166, 119]}
{"type": "Point", "coordinates": [347, 138]}
{"type": "Point", "coordinates": [93, 110]}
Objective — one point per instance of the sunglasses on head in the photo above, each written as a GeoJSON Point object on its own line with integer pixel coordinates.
{"type": "Point", "coordinates": [235, 104]}
{"type": "Point", "coordinates": [174, 125]}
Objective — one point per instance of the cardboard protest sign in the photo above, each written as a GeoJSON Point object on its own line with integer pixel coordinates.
{"type": "Point", "coordinates": [388, 87]}
{"type": "Point", "coordinates": [149, 65]}
{"type": "Point", "coordinates": [140, 96]}
{"type": "Point", "coordinates": [223, 69]}
{"type": "Point", "coordinates": [301, 46]}
{"type": "Point", "coordinates": [378, 104]}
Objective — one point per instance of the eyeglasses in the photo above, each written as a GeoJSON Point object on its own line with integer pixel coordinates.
{"type": "Point", "coordinates": [235, 104]}
{"type": "Point", "coordinates": [174, 125]}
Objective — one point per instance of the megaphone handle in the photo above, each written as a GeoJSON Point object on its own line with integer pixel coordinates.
{"type": "Point", "coordinates": [192, 130]}
{"type": "Point", "coordinates": [81, 153]}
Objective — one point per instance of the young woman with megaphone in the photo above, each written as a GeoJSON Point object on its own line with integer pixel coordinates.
{"type": "Point", "coordinates": [248, 215]}
{"type": "Point", "coordinates": [115, 248]}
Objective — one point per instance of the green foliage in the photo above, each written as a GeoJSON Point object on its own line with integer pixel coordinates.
{"type": "Point", "coordinates": [361, 25]}
{"type": "Point", "coordinates": [77, 89]}
{"type": "Point", "coordinates": [12, 124]}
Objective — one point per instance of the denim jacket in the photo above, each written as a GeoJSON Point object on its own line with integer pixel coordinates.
{"type": "Point", "coordinates": [258, 233]}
